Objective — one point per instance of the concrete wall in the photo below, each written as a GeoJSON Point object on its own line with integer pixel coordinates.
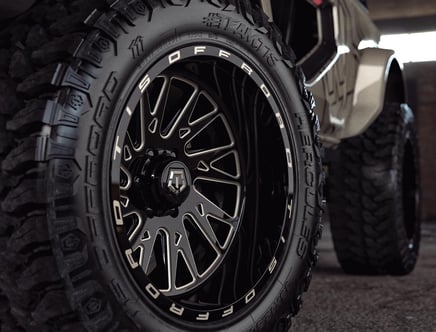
{"type": "Point", "coordinates": [421, 79]}
{"type": "Point", "coordinates": [392, 9]}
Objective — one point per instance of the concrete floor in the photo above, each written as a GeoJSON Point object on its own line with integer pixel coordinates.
{"type": "Point", "coordinates": [339, 302]}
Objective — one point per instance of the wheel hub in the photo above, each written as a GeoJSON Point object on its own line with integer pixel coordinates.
{"type": "Point", "coordinates": [161, 183]}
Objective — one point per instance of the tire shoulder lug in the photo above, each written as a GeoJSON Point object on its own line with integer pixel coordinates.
{"type": "Point", "coordinates": [41, 148]}
{"type": "Point", "coordinates": [102, 22]}
{"type": "Point", "coordinates": [66, 76]}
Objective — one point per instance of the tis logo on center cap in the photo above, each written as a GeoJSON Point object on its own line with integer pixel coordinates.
{"type": "Point", "coordinates": [176, 181]}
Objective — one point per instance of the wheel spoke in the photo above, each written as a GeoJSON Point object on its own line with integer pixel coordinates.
{"type": "Point", "coordinates": [230, 203]}
{"type": "Point", "coordinates": [146, 245]}
{"type": "Point", "coordinates": [206, 228]}
{"type": "Point", "coordinates": [138, 228]}
{"type": "Point", "coordinates": [171, 111]}
{"type": "Point", "coordinates": [221, 166]}
{"type": "Point", "coordinates": [172, 261]}
{"type": "Point", "coordinates": [157, 104]}
{"type": "Point", "coordinates": [152, 107]}
{"type": "Point", "coordinates": [205, 207]}
{"type": "Point", "coordinates": [210, 137]}
{"type": "Point", "coordinates": [195, 115]}
{"type": "Point", "coordinates": [127, 206]}
{"type": "Point", "coordinates": [126, 179]}
{"type": "Point", "coordinates": [227, 164]}
{"type": "Point", "coordinates": [185, 246]}
{"type": "Point", "coordinates": [145, 104]}
{"type": "Point", "coordinates": [136, 131]}
{"type": "Point", "coordinates": [129, 152]}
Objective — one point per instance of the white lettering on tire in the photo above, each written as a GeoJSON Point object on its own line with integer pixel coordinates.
{"type": "Point", "coordinates": [145, 82]}
{"type": "Point", "coordinates": [174, 57]}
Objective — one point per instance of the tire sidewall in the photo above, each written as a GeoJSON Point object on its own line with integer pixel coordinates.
{"type": "Point", "coordinates": [407, 247]}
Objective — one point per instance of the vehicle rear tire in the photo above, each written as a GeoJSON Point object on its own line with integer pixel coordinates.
{"type": "Point", "coordinates": [73, 94]}
{"type": "Point", "coordinates": [373, 195]}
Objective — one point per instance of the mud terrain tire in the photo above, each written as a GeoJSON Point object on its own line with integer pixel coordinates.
{"type": "Point", "coordinates": [67, 68]}
{"type": "Point", "coordinates": [374, 197]}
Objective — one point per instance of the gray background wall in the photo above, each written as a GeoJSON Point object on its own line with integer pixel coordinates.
{"type": "Point", "coordinates": [422, 96]}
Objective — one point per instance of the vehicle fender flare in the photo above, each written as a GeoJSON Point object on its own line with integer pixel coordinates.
{"type": "Point", "coordinates": [379, 79]}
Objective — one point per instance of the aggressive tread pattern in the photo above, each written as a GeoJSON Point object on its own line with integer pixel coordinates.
{"type": "Point", "coordinates": [31, 295]}
{"type": "Point", "coordinates": [365, 198]}
{"type": "Point", "coordinates": [42, 58]}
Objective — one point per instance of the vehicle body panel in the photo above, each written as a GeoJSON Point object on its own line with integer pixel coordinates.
{"type": "Point", "coordinates": [370, 89]}
{"type": "Point", "coordinates": [346, 71]}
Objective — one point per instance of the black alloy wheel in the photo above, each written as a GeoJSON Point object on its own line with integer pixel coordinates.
{"type": "Point", "coordinates": [202, 186]}
{"type": "Point", "coordinates": [181, 190]}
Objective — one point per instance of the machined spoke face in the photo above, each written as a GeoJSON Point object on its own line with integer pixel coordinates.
{"type": "Point", "coordinates": [202, 183]}
{"type": "Point", "coordinates": [181, 184]}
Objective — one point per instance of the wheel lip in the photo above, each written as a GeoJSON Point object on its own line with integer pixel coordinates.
{"type": "Point", "coordinates": [289, 139]}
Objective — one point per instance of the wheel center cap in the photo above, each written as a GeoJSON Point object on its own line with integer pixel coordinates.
{"type": "Point", "coordinates": [176, 180]}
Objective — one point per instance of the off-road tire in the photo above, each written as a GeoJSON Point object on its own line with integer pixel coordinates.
{"type": "Point", "coordinates": [61, 65]}
{"type": "Point", "coordinates": [373, 195]}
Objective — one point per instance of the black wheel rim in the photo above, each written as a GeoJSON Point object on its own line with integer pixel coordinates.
{"type": "Point", "coordinates": [181, 184]}
{"type": "Point", "coordinates": [257, 151]}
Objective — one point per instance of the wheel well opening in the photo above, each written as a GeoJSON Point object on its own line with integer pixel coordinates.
{"type": "Point", "coordinates": [298, 22]}
{"type": "Point", "coordinates": [395, 88]}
